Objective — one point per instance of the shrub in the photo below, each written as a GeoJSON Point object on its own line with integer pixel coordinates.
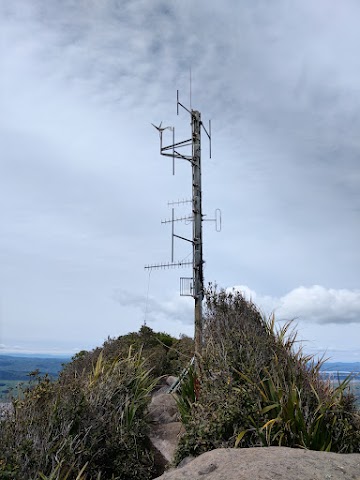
{"type": "Point", "coordinates": [92, 422]}
{"type": "Point", "coordinates": [162, 353]}
{"type": "Point", "coordinates": [257, 389]}
{"type": "Point", "coordinates": [95, 422]}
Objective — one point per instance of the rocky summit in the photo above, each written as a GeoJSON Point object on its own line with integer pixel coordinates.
{"type": "Point", "coordinates": [268, 463]}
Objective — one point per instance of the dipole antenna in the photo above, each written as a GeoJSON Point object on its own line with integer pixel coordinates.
{"type": "Point", "coordinates": [189, 286]}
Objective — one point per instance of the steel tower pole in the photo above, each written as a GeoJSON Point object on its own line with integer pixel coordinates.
{"type": "Point", "coordinates": [197, 231]}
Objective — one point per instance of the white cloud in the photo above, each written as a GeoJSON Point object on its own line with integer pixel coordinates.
{"type": "Point", "coordinates": [310, 304]}
{"type": "Point", "coordinates": [174, 309]}
{"type": "Point", "coordinates": [322, 305]}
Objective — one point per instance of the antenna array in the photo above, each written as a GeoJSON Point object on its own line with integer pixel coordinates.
{"type": "Point", "coordinates": [189, 286]}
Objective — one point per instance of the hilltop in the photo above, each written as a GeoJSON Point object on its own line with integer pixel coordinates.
{"type": "Point", "coordinates": [251, 387]}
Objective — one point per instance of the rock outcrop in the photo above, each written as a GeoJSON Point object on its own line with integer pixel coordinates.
{"type": "Point", "coordinates": [165, 427]}
{"type": "Point", "coordinates": [268, 463]}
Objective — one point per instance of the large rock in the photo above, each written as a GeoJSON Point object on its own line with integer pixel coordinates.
{"type": "Point", "coordinates": [163, 409]}
{"type": "Point", "coordinates": [165, 428]}
{"type": "Point", "coordinates": [165, 438]}
{"type": "Point", "coordinates": [164, 383]}
{"type": "Point", "coordinates": [271, 463]}
{"type": "Point", "coordinates": [170, 380]}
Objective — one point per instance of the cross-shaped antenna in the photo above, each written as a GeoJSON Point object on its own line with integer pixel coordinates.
{"type": "Point", "coordinates": [161, 130]}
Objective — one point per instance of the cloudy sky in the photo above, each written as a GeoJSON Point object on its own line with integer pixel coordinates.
{"type": "Point", "coordinates": [83, 188]}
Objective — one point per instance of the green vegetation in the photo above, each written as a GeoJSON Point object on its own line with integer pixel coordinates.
{"type": "Point", "coordinates": [162, 353]}
{"type": "Point", "coordinates": [252, 387]}
{"type": "Point", "coordinates": [95, 420]}
{"type": "Point", "coordinates": [257, 389]}
{"type": "Point", "coordinates": [92, 422]}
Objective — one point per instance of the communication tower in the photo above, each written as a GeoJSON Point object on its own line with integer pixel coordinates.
{"type": "Point", "coordinates": [189, 286]}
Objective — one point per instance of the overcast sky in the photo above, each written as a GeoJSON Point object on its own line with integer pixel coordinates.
{"type": "Point", "coordinates": [83, 188]}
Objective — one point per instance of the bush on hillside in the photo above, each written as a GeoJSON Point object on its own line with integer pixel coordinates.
{"type": "Point", "coordinates": [95, 422]}
{"type": "Point", "coordinates": [257, 389]}
{"type": "Point", "coordinates": [162, 353]}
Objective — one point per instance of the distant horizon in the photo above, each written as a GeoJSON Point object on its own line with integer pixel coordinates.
{"type": "Point", "coordinates": [69, 349]}
{"type": "Point", "coordinates": [68, 352]}
{"type": "Point", "coordinates": [41, 352]}
{"type": "Point", "coordinates": [69, 355]}
{"type": "Point", "coordinates": [21, 349]}
{"type": "Point", "coordinates": [36, 354]}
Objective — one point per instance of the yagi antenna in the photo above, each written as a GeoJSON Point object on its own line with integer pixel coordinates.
{"type": "Point", "coordinates": [189, 150]}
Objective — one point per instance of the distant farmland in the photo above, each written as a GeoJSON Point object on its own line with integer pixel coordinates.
{"type": "Point", "coordinates": [15, 370]}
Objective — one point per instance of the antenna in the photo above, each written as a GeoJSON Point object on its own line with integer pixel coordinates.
{"type": "Point", "coordinates": [189, 286]}
{"type": "Point", "coordinates": [190, 89]}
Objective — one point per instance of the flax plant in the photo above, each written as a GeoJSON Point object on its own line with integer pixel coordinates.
{"type": "Point", "coordinates": [290, 416]}
{"type": "Point", "coordinates": [94, 423]}
{"type": "Point", "coordinates": [258, 388]}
